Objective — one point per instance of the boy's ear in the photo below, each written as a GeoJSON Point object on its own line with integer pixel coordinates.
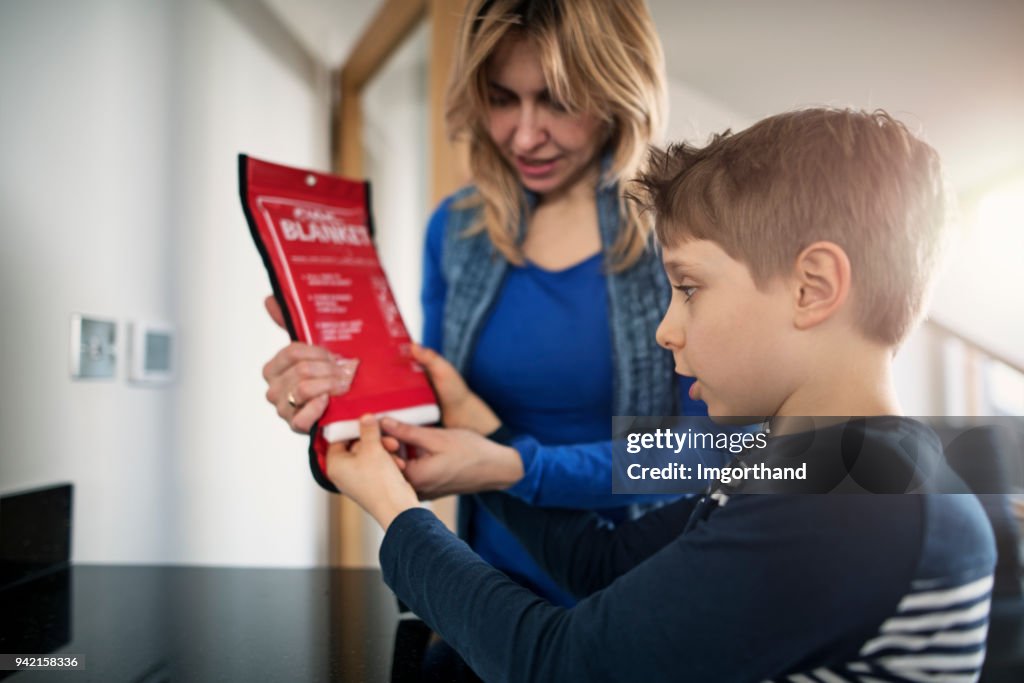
{"type": "Point", "coordinates": [822, 283]}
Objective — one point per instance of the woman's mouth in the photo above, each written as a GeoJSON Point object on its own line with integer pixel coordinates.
{"type": "Point", "coordinates": [535, 168]}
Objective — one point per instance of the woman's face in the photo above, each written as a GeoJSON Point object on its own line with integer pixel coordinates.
{"type": "Point", "coordinates": [548, 147]}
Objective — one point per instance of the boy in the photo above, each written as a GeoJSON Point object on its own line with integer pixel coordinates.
{"type": "Point", "coordinates": [800, 250]}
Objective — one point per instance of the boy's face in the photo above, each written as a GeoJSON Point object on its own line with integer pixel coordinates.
{"type": "Point", "coordinates": [735, 339]}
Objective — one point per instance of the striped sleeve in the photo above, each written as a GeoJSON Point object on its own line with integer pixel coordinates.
{"type": "Point", "coordinates": [937, 634]}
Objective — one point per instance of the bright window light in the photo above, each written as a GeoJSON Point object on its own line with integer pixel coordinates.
{"type": "Point", "coordinates": [1004, 389]}
{"type": "Point", "coordinates": [1001, 211]}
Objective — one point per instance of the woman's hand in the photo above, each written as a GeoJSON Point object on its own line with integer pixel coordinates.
{"type": "Point", "coordinates": [301, 378]}
{"type": "Point", "coordinates": [460, 407]}
{"type": "Point", "coordinates": [369, 474]}
{"type": "Point", "coordinates": [455, 460]}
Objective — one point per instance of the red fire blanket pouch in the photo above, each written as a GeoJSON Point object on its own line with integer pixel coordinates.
{"type": "Point", "coordinates": [314, 232]}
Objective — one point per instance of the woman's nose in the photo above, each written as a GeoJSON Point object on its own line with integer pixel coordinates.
{"type": "Point", "coordinates": [530, 130]}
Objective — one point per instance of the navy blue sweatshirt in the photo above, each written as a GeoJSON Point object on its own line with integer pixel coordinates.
{"type": "Point", "coordinates": [725, 587]}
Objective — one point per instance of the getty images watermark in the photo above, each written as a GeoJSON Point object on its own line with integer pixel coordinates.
{"type": "Point", "coordinates": [819, 455]}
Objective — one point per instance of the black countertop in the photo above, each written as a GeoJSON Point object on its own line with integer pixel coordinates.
{"type": "Point", "coordinates": [179, 623]}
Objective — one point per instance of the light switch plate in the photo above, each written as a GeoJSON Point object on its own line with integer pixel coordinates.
{"type": "Point", "coordinates": [93, 347]}
{"type": "Point", "coordinates": [151, 347]}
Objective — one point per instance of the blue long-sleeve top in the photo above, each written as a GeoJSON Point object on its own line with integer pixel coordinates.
{"type": "Point", "coordinates": [721, 588]}
{"type": "Point", "coordinates": [543, 362]}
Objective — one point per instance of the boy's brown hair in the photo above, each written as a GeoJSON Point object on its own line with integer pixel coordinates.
{"type": "Point", "coordinates": [858, 179]}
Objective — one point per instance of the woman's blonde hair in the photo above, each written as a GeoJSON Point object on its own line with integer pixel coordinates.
{"type": "Point", "coordinates": [599, 56]}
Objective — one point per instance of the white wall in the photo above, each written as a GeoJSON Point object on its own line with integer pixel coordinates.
{"type": "Point", "coordinates": [242, 489]}
{"type": "Point", "coordinates": [693, 115]}
{"type": "Point", "coordinates": [120, 122]}
{"type": "Point", "coordinates": [84, 219]}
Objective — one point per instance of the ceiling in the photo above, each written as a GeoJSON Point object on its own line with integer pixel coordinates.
{"type": "Point", "coordinates": [328, 28]}
{"type": "Point", "coordinates": [954, 70]}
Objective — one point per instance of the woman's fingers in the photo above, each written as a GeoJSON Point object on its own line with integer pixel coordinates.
{"type": "Point", "coordinates": [295, 354]}
{"type": "Point", "coordinates": [300, 377]}
{"type": "Point", "coordinates": [426, 438]}
{"type": "Point", "coordinates": [427, 476]}
{"type": "Point", "coordinates": [274, 309]}
{"type": "Point", "coordinates": [441, 372]}
{"type": "Point", "coordinates": [306, 415]}
{"type": "Point", "coordinates": [460, 407]}
{"type": "Point", "coordinates": [303, 392]}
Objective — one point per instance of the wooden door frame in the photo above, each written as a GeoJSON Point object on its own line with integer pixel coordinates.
{"type": "Point", "coordinates": [390, 27]}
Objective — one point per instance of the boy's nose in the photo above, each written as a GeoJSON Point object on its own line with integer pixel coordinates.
{"type": "Point", "coordinates": [670, 336]}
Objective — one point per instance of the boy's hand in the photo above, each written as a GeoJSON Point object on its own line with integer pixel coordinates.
{"type": "Point", "coordinates": [455, 460]}
{"type": "Point", "coordinates": [460, 407]}
{"type": "Point", "coordinates": [371, 476]}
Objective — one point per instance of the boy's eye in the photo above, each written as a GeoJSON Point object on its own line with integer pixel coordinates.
{"type": "Point", "coordinates": [687, 290]}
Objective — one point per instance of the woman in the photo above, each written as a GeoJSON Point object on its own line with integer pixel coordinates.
{"type": "Point", "coordinates": [559, 102]}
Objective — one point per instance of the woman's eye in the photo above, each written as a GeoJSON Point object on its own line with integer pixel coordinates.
{"type": "Point", "coordinates": [687, 290]}
{"type": "Point", "coordinates": [553, 104]}
{"type": "Point", "coordinates": [500, 97]}
{"type": "Point", "coordinates": [557, 106]}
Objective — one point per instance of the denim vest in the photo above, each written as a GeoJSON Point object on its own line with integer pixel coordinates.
{"type": "Point", "coordinates": [644, 382]}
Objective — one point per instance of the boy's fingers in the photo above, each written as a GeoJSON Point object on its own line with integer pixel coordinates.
{"type": "Point", "coordinates": [390, 443]}
{"type": "Point", "coordinates": [399, 462]}
{"type": "Point", "coordinates": [337, 448]}
{"type": "Point", "coordinates": [369, 432]}
{"type": "Point", "coordinates": [421, 437]}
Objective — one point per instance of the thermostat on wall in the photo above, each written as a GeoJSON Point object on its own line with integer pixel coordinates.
{"type": "Point", "coordinates": [150, 352]}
